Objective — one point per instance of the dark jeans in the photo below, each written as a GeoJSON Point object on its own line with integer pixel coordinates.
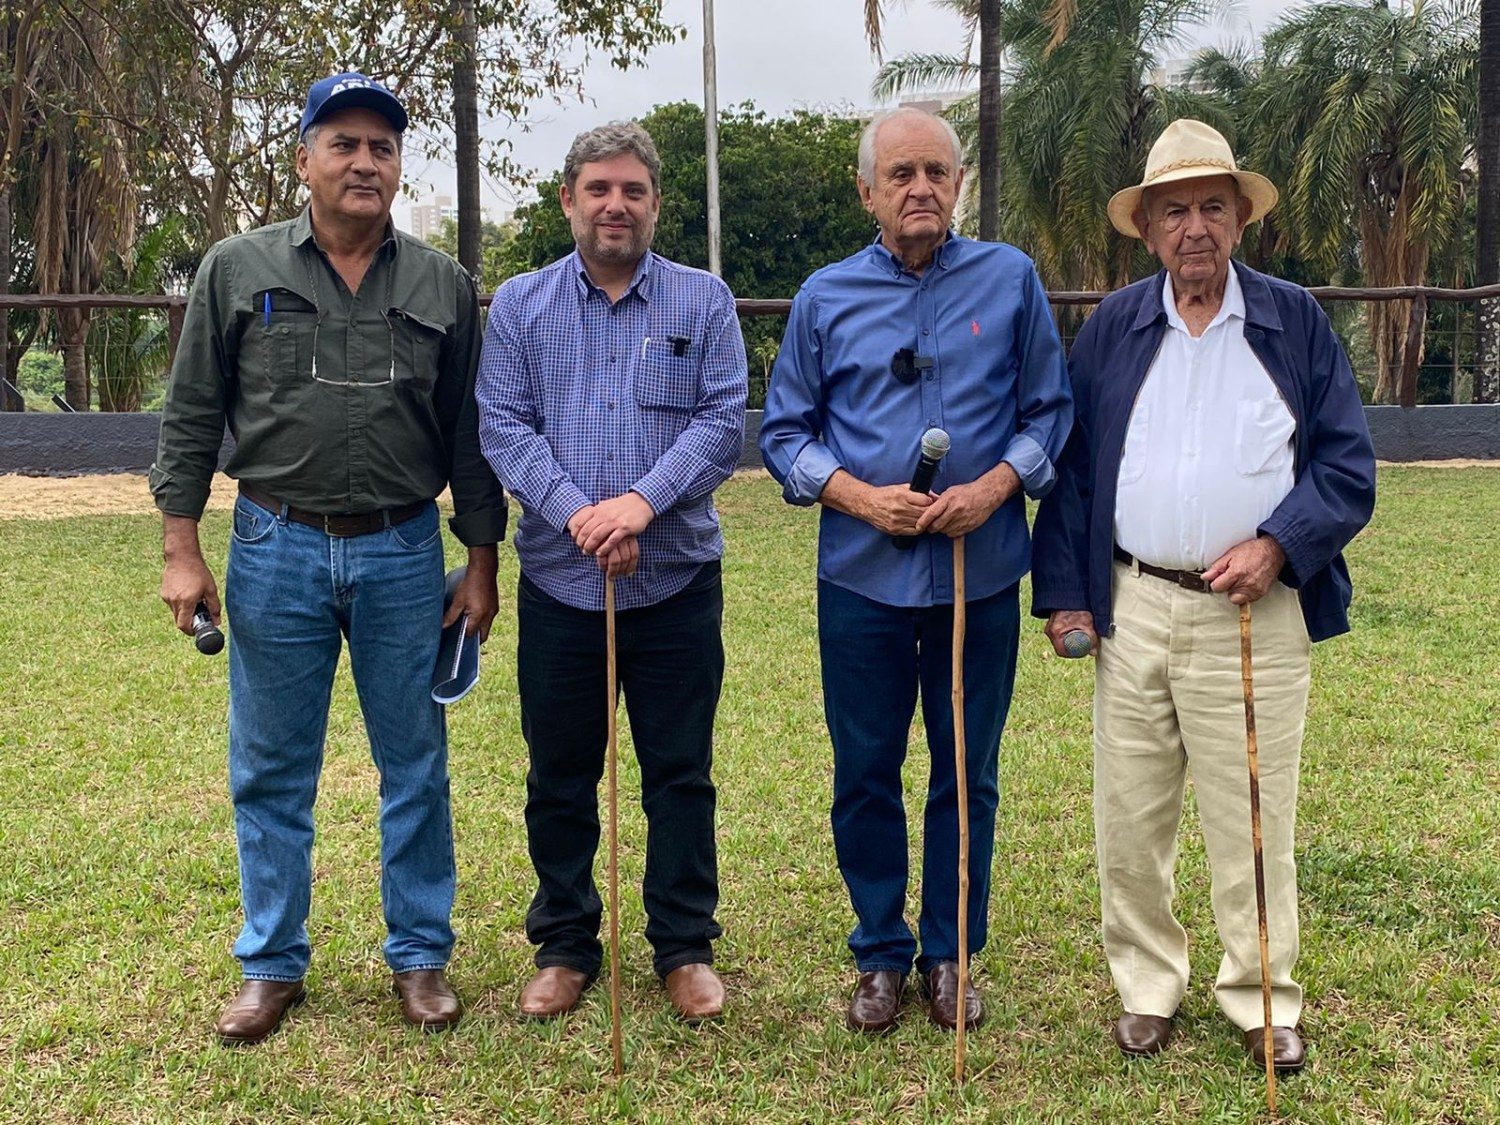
{"type": "Point", "coordinates": [875, 656]}
{"type": "Point", "coordinates": [670, 660]}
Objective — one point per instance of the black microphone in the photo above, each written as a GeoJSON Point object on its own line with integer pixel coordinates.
{"type": "Point", "coordinates": [935, 446]}
{"type": "Point", "coordinates": [206, 634]}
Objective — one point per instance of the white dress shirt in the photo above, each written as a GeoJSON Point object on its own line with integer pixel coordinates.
{"type": "Point", "coordinates": [1208, 453]}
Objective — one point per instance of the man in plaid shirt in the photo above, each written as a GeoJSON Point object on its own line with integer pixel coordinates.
{"type": "Point", "coordinates": [611, 394]}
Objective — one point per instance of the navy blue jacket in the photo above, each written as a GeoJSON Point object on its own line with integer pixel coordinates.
{"type": "Point", "coordinates": [1334, 492]}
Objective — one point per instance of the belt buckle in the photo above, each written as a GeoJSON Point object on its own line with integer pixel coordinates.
{"type": "Point", "coordinates": [328, 528]}
{"type": "Point", "coordinates": [1189, 580]}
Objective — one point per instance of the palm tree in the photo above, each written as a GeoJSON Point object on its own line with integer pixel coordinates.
{"type": "Point", "coordinates": [1082, 112]}
{"type": "Point", "coordinates": [1364, 115]}
{"type": "Point", "coordinates": [983, 16]}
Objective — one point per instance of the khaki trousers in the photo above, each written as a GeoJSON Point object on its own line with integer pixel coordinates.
{"type": "Point", "coordinates": [1168, 701]}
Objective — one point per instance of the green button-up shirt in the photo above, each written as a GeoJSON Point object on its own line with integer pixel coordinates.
{"type": "Point", "coordinates": [338, 402]}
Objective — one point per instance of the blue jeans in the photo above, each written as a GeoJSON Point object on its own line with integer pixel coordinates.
{"type": "Point", "coordinates": [875, 657]}
{"type": "Point", "coordinates": [293, 594]}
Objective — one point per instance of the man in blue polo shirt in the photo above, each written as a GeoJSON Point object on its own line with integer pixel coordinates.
{"type": "Point", "coordinates": [921, 329]}
{"type": "Point", "coordinates": [612, 403]}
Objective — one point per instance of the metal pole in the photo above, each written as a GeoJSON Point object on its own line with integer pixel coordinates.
{"type": "Point", "coordinates": [612, 756]}
{"type": "Point", "coordinates": [711, 136]}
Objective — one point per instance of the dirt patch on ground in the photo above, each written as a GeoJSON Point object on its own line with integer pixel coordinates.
{"type": "Point", "coordinates": [107, 494]}
{"type": "Point", "coordinates": [124, 494]}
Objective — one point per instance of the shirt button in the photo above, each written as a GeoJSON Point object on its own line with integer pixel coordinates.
{"type": "Point", "coordinates": [927, 332]}
{"type": "Point", "coordinates": [611, 405]}
{"type": "Point", "coordinates": [609, 456]}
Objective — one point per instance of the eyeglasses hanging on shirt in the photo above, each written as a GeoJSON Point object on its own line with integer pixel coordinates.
{"type": "Point", "coordinates": [320, 312]}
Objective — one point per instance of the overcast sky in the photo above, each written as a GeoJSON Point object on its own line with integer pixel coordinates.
{"type": "Point", "coordinates": [783, 54]}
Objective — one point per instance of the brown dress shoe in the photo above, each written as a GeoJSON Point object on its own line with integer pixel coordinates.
{"type": "Point", "coordinates": [941, 986]}
{"type": "Point", "coordinates": [427, 1000]}
{"type": "Point", "coordinates": [696, 992]}
{"type": "Point", "coordinates": [876, 1001]}
{"type": "Point", "coordinates": [553, 991]}
{"type": "Point", "coordinates": [1289, 1051]}
{"type": "Point", "coordinates": [257, 1011]}
{"type": "Point", "coordinates": [1141, 1036]}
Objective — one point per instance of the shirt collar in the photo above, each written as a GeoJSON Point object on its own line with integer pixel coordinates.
{"type": "Point", "coordinates": [302, 231]}
{"type": "Point", "coordinates": [1233, 303]}
{"type": "Point", "coordinates": [640, 281]}
{"type": "Point", "coordinates": [943, 257]}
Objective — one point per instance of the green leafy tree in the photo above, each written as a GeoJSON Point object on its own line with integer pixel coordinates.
{"type": "Point", "coordinates": [494, 247]}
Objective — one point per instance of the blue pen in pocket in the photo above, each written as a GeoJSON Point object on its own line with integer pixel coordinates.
{"type": "Point", "coordinates": [266, 298]}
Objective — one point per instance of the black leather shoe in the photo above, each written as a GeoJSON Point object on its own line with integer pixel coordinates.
{"type": "Point", "coordinates": [941, 987]}
{"type": "Point", "coordinates": [1141, 1036]}
{"type": "Point", "coordinates": [876, 1001]}
{"type": "Point", "coordinates": [257, 1011]}
{"type": "Point", "coordinates": [1290, 1052]}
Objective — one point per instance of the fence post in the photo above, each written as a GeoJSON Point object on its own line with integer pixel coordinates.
{"type": "Point", "coordinates": [1411, 354]}
{"type": "Point", "coordinates": [176, 311]}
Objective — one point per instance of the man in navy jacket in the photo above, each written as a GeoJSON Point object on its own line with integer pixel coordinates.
{"type": "Point", "coordinates": [1219, 457]}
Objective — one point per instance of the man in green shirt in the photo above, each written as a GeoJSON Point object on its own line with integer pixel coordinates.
{"type": "Point", "coordinates": [341, 354]}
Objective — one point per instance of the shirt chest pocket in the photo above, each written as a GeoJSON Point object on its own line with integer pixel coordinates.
{"type": "Point", "coordinates": [417, 343]}
{"type": "Point", "coordinates": [666, 391]}
{"type": "Point", "coordinates": [289, 331]}
{"type": "Point", "coordinates": [1263, 434]}
{"type": "Point", "coordinates": [1137, 445]}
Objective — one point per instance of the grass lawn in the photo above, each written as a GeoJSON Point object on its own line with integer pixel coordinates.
{"type": "Point", "coordinates": [118, 882]}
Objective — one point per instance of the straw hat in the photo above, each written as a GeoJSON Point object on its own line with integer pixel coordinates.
{"type": "Point", "coordinates": [1189, 150]}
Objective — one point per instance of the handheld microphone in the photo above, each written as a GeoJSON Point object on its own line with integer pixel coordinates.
{"type": "Point", "coordinates": [206, 634]}
{"type": "Point", "coordinates": [1076, 643]}
{"type": "Point", "coordinates": [935, 446]}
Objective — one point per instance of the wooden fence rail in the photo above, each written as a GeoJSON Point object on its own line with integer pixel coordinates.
{"type": "Point", "coordinates": [1419, 295]}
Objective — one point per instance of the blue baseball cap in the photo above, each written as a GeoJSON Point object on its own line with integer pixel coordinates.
{"type": "Point", "coordinates": [351, 90]}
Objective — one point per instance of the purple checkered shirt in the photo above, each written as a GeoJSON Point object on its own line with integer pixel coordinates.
{"type": "Point", "coordinates": [581, 401]}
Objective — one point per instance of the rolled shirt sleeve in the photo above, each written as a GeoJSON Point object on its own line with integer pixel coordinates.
{"type": "Point", "coordinates": [1044, 400]}
{"type": "Point", "coordinates": [509, 422]}
{"type": "Point", "coordinates": [792, 426]}
{"type": "Point", "coordinates": [193, 415]}
{"type": "Point", "coordinates": [479, 512]}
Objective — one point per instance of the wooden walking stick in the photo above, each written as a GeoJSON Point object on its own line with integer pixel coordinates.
{"type": "Point", "coordinates": [611, 759]}
{"type": "Point", "coordinates": [961, 770]}
{"type": "Point", "coordinates": [1268, 1042]}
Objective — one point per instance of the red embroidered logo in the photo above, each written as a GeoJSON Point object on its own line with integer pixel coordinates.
{"type": "Point", "coordinates": [974, 327]}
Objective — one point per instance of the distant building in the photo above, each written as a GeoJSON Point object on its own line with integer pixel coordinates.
{"type": "Point", "coordinates": [427, 218]}
{"type": "Point", "coordinates": [1173, 74]}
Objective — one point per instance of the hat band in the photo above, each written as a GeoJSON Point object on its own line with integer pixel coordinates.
{"type": "Point", "coordinates": [1195, 162]}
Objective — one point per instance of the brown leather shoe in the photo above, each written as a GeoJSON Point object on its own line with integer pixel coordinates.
{"type": "Point", "coordinates": [1141, 1036]}
{"type": "Point", "coordinates": [427, 1000]}
{"type": "Point", "coordinates": [876, 1001]}
{"type": "Point", "coordinates": [696, 992]}
{"type": "Point", "coordinates": [257, 1011]}
{"type": "Point", "coordinates": [1289, 1051]}
{"type": "Point", "coordinates": [940, 984]}
{"type": "Point", "coordinates": [553, 991]}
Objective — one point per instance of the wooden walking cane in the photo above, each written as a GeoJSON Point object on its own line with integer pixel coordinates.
{"type": "Point", "coordinates": [1268, 1042]}
{"type": "Point", "coordinates": [611, 758]}
{"type": "Point", "coordinates": [961, 770]}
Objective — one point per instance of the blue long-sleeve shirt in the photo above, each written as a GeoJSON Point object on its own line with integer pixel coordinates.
{"type": "Point", "coordinates": [997, 384]}
{"type": "Point", "coordinates": [581, 400]}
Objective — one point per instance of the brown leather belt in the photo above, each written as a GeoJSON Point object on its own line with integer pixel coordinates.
{"type": "Point", "coordinates": [1187, 579]}
{"type": "Point", "coordinates": [342, 527]}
